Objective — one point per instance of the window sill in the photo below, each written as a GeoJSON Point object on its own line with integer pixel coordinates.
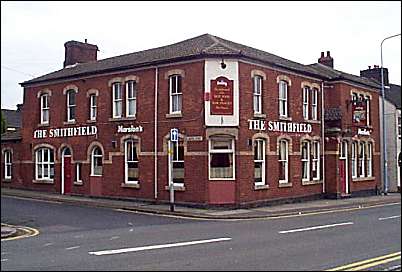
{"type": "Point", "coordinates": [119, 119]}
{"type": "Point", "coordinates": [260, 115]}
{"type": "Point", "coordinates": [286, 118]}
{"type": "Point", "coordinates": [174, 115]}
{"type": "Point", "coordinates": [96, 176]}
{"type": "Point", "coordinates": [130, 185]}
{"type": "Point", "coordinates": [363, 179]}
{"type": "Point", "coordinates": [69, 123]}
{"type": "Point", "coordinates": [261, 187]}
{"type": "Point", "coordinates": [91, 121]}
{"type": "Point", "coordinates": [78, 183]}
{"type": "Point", "coordinates": [285, 185]}
{"type": "Point", "coordinates": [176, 188]}
{"type": "Point", "coordinates": [313, 121]}
{"type": "Point", "coordinates": [44, 181]}
{"type": "Point", "coordinates": [44, 125]}
{"type": "Point", "coordinates": [311, 182]}
{"type": "Point", "coordinates": [6, 180]}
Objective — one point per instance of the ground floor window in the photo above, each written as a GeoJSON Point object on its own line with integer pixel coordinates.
{"type": "Point", "coordinates": [305, 159]}
{"type": "Point", "coordinates": [369, 159]}
{"type": "Point", "coordinates": [78, 172]}
{"type": "Point", "coordinates": [283, 161]}
{"type": "Point", "coordinates": [259, 162]}
{"type": "Point", "coordinates": [354, 159]}
{"type": "Point", "coordinates": [131, 162]}
{"type": "Point", "coordinates": [177, 162]}
{"type": "Point", "coordinates": [315, 160]}
{"type": "Point", "coordinates": [96, 161]}
{"type": "Point", "coordinates": [8, 160]}
{"type": "Point", "coordinates": [362, 151]}
{"type": "Point", "coordinates": [44, 164]}
{"type": "Point", "coordinates": [221, 158]}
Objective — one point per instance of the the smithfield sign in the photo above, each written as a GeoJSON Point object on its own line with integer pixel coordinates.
{"type": "Point", "coordinates": [278, 126]}
{"type": "Point", "coordinates": [65, 132]}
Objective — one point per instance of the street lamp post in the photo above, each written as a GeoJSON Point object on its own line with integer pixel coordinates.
{"type": "Point", "coordinates": [385, 174]}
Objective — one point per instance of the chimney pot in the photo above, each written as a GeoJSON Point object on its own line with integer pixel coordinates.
{"type": "Point", "coordinates": [369, 67]}
{"type": "Point", "coordinates": [328, 54]}
{"type": "Point", "coordinates": [322, 54]}
{"type": "Point", "coordinates": [86, 40]}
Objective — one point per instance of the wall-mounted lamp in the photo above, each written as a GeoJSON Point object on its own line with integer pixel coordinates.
{"type": "Point", "coordinates": [223, 64]}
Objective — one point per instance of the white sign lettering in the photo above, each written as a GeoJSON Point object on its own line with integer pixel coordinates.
{"type": "Point", "coordinates": [65, 132]}
{"type": "Point", "coordinates": [363, 131]}
{"type": "Point", "coordinates": [278, 126]}
{"type": "Point", "coordinates": [130, 129]}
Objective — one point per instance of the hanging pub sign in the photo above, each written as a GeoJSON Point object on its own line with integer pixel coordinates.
{"type": "Point", "coordinates": [359, 111]}
{"type": "Point", "coordinates": [221, 96]}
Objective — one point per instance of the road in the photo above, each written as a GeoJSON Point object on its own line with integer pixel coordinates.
{"type": "Point", "coordinates": [87, 238]}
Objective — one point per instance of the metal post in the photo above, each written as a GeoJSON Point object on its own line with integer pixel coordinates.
{"type": "Point", "coordinates": [383, 142]}
{"type": "Point", "coordinates": [171, 184]}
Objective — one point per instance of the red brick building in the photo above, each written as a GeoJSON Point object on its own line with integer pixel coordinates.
{"type": "Point", "coordinates": [252, 127]}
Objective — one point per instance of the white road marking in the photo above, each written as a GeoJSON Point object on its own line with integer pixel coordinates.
{"type": "Point", "coordinates": [135, 249]}
{"type": "Point", "coordinates": [316, 227]}
{"type": "Point", "coordinates": [74, 247]}
{"type": "Point", "coordinates": [4, 260]}
{"type": "Point", "coordinates": [48, 244]}
{"type": "Point", "coordinates": [390, 217]}
{"type": "Point", "coordinates": [114, 237]}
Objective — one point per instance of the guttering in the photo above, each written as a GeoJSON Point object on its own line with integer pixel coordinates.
{"type": "Point", "coordinates": [156, 136]}
{"type": "Point", "coordinates": [323, 136]}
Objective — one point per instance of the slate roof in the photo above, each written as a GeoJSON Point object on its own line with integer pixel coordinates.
{"type": "Point", "coordinates": [393, 95]}
{"type": "Point", "coordinates": [201, 46]}
{"type": "Point", "coordinates": [13, 118]}
{"type": "Point", "coordinates": [11, 136]}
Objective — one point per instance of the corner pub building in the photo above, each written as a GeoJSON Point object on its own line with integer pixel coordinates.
{"type": "Point", "coordinates": [254, 128]}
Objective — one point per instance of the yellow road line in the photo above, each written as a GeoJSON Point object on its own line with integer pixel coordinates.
{"type": "Point", "coordinates": [376, 263]}
{"type": "Point", "coordinates": [353, 265]}
{"type": "Point", "coordinates": [30, 232]}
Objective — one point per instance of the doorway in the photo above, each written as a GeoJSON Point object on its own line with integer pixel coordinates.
{"type": "Point", "coordinates": [343, 168]}
{"type": "Point", "coordinates": [66, 171]}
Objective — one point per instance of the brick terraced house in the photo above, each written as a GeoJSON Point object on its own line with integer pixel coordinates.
{"type": "Point", "coordinates": [253, 128]}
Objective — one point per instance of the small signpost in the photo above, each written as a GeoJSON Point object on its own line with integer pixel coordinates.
{"type": "Point", "coordinates": [174, 137]}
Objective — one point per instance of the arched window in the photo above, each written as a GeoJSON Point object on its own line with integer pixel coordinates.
{"type": "Point", "coordinates": [354, 159]}
{"type": "Point", "coordinates": [44, 108]}
{"type": "Point", "coordinates": [283, 161]}
{"type": "Point", "coordinates": [315, 160]}
{"type": "Point", "coordinates": [369, 159]}
{"type": "Point", "coordinates": [305, 159]}
{"type": "Point", "coordinates": [259, 161]}
{"type": "Point", "coordinates": [131, 162]}
{"type": "Point", "coordinates": [96, 161]}
{"type": "Point", "coordinates": [177, 162]}
{"type": "Point", "coordinates": [8, 161]}
{"type": "Point", "coordinates": [44, 164]}
{"type": "Point", "coordinates": [71, 105]}
{"type": "Point", "coordinates": [362, 155]}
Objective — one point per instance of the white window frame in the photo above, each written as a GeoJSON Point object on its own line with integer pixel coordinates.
{"type": "Point", "coordinates": [369, 159]}
{"type": "Point", "coordinates": [93, 156]}
{"type": "Point", "coordinates": [131, 85]}
{"type": "Point", "coordinates": [215, 151]}
{"type": "Point", "coordinates": [71, 106]}
{"type": "Point", "coordinates": [368, 104]}
{"type": "Point", "coordinates": [354, 159]}
{"type": "Point", "coordinates": [134, 144]}
{"type": "Point", "coordinates": [315, 159]}
{"type": "Point", "coordinates": [399, 122]}
{"type": "Point", "coordinates": [283, 98]}
{"type": "Point", "coordinates": [92, 107]}
{"type": "Point", "coordinates": [174, 147]}
{"type": "Point", "coordinates": [361, 158]}
{"type": "Point", "coordinates": [117, 101]}
{"type": "Point", "coordinates": [285, 160]}
{"type": "Point", "coordinates": [44, 108]}
{"type": "Point", "coordinates": [8, 164]}
{"type": "Point", "coordinates": [305, 161]}
{"type": "Point", "coordinates": [314, 104]}
{"type": "Point", "coordinates": [175, 94]}
{"type": "Point", "coordinates": [257, 94]}
{"type": "Point", "coordinates": [41, 163]}
{"type": "Point", "coordinates": [306, 92]}
{"type": "Point", "coordinates": [78, 172]}
{"type": "Point", "coordinates": [260, 147]}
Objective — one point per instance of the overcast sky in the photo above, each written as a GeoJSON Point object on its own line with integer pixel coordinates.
{"type": "Point", "coordinates": [33, 33]}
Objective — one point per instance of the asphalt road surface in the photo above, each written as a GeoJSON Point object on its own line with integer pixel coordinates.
{"type": "Point", "coordinates": [86, 238]}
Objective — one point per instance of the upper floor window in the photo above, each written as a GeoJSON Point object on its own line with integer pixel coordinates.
{"type": "Point", "coordinates": [117, 100]}
{"type": "Point", "coordinates": [92, 107]}
{"type": "Point", "coordinates": [96, 161]}
{"type": "Point", "coordinates": [257, 94]}
{"type": "Point", "coordinates": [283, 98]}
{"type": "Point", "coordinates": [259, 162]}
{"type": "Point", "coordinates": [221, 158]}
{"type": "Point", "coordinates": [44, 164]}
{"type": "Point", "coordinates": [314, 104]}
{"type": "Point", "coordinates": [131, 98]}
{"type": "Point", "coordinates": [306, 91]}
{"type": "Point", "coordinates": [44, 109]}
{"type": "Point", "coordinates": [8, 160]}
{"type": "Point", "coordinates": [175, 91]}
{"type": "Point", "coordinates": [71, 105]}
{"type": "Point", "coordinates": [283, 161]}
{"type": "Point", "coordinates": [131, 162]}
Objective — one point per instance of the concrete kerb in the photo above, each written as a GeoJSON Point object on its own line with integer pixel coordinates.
{"type": "Point", "coordinates": [253, 214]}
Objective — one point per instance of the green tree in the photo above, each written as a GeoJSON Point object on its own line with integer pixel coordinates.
{"type": "Point", "coordinates": [3, 124]}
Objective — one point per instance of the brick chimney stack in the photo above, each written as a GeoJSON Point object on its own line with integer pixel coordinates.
{"type": "Point", "coordinates": [78, 52]}
{"type": "Point", "coordinates": [375, 73]}
{"type": "Point", "coordinates": [326, 60]}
